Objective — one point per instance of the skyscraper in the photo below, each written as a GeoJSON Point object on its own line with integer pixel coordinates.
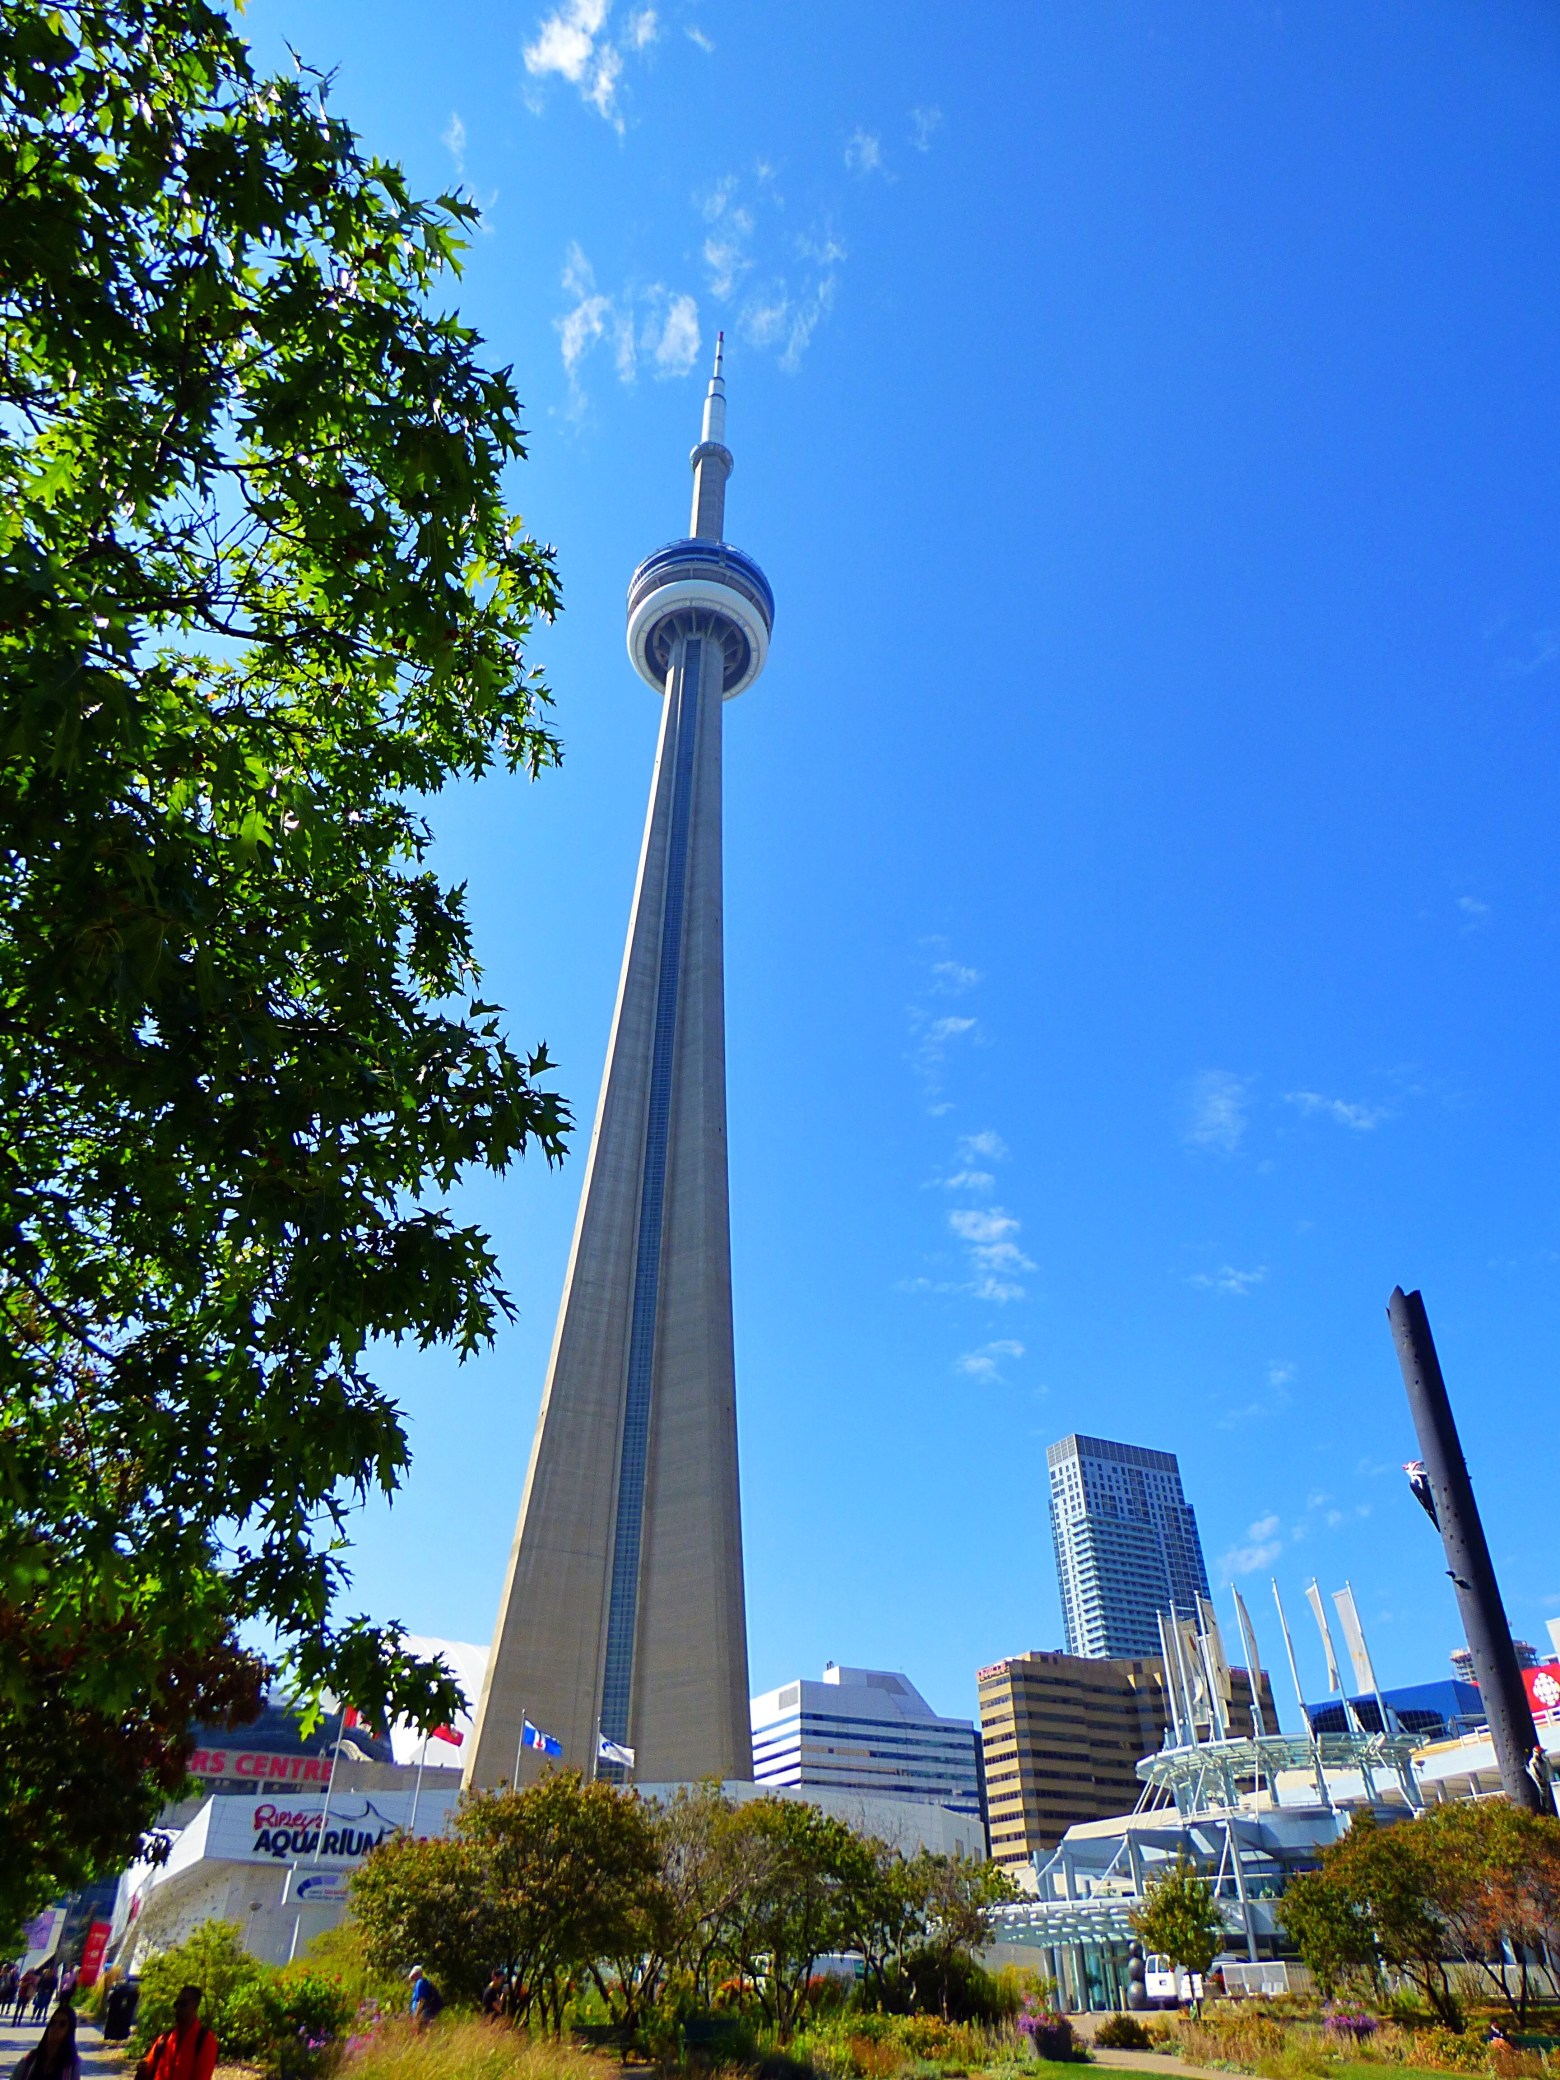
{"type": "Point", "coordinates": [623, 1616]}
{"type": "Point", "coordinates": [1126, 1544]}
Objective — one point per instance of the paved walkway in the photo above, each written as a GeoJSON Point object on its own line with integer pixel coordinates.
{"type": "Point", "coordinates": [1155, 2062]}
{"type": "Point", "coordinates": [99, 2061]}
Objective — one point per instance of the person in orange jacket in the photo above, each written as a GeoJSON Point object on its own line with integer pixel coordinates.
{"type": "Point", "coordinates": [188, 2051]}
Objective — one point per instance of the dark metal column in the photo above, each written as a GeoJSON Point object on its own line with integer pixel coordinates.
{"type": "Point", "coordinates": [1522, 1775]}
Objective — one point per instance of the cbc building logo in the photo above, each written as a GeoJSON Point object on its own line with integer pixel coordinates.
{"type": "Point", "coordinates": [1546, 1691]}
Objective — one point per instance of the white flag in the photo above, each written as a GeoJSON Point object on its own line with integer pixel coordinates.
{"type": "Point", "coordinates": [614, 1751]}
{"type": "Point", "coordinates": [1313, 1597]}
{"type": "Point", "coordinates": [1354, 1637]}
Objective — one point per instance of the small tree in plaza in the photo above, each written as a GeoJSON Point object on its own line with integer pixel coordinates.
{"type": "Point", "coordinates": [1180, 1918]}
{"type": "Point", "coordinates": [540, 1884]}
{"type": "Point", "coordinates": [1331, 1932]}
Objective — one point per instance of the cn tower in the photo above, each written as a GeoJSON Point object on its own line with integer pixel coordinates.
{"type": "Point", "coordinates": [623, 1614]}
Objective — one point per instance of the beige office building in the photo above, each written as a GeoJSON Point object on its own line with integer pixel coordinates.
{"type": "Point", "coordinates": [1062, 1737]}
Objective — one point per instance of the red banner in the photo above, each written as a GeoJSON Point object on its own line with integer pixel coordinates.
{"type": "Point", "coordinates": [1543, 1688]}
{"type": "Point", "coordinates": [92, 1953]}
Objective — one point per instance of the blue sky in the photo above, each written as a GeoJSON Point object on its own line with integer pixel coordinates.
{"type": "Point", "coordinates": [1141, 850]}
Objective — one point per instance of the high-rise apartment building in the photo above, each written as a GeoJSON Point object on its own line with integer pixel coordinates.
{"type": "Point", "coordinates": [1063, 1735]}
{"type": "Point", "coordinates": [1126, 1545]}
{"type": "Point", "coordinates": [867, 1730]}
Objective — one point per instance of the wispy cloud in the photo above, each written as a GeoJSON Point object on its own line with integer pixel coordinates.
{"type": "Point", "coordinates": [1359, 1118]}
{"type": "Point", "coordinates": [454, 142]}
{"type": "Point", "coordinates": [643, 29]}
{"type": "Point", "coordinates": [952, 978]}
{"type": "Point", "coordinates": [1271, 1403]}
{"type": "Point", "coordinates": [924, 123]}
{"type": "Point", "coordinates": [1543, 650]}
{"type": "Point", "coordinates": [987, 1362]}
{"type": "Point", "coordinates": [1218, 1104]}
{"type": "Point", "coordinates": [864, 152]}
{"type": "Point", "coordinates": [989, 1234]}
{"type": "Point", "coordinates": [1228, 1280]}
{"type": "Point", "coordinates": [657, 323]}
{"type": "Point", "coordinates": [777, 307]}
{"type": "Point", "coordinates": [697, 36]}
{"type": "Point", "coordinates": [1262, 1550]}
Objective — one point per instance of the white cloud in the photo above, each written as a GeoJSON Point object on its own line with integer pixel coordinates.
{"type": "Point", "coordinates": [986, 1363]}
{"type": "Point", "coordinates": [454, 142]}
{"type": "Point", "coordinates": [952, 978]}
{"type": "Point", "coordinates": [566, 41]}
{"type": "Point", "coordinates": [988, 1234]}
{"type": "Point", "coordinates": [864, 153]}
{"type": "Point", "coordinates": [572, 45]}
{"type": "Point", "coordinates": [923, 122]}
{"type": "Point", "coordinates": [1216, 1114]}
{"type": "Point", "coordinates": [1228, 1280]}
{"type": "Point", "coordinates": [986, 1143]}
{"type": "Point", "coordinates": [1360, 1118]}
{"type": "Point", "coordinates": [969, 1181]}
{"type": "Point", "coordinates": [1249, 1559]}
{"type": "Point", "coordinates": [697, 36]}
{"type": "Point", "coordinates": [1279, 1375]}
{"type": "Point", "coordinates": [677, 349]}
{"type": "Point", "coordinates": [1264, 1527]}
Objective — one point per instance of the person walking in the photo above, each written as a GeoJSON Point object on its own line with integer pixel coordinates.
{"type": "Point", "coordinates": [188, 2051]}
{"type": "Point", "coordinates": [426, 1997]}
{"type": "Point", "coordinates": [8, 1978]}
{"type": "Point", "coordinates": [25, 1987]}
{"type": "Point", "coordinates": [54, 2056]}
{"type": "Point", "coordinates": [66, 1990]}
{"type": "Point", "coordinates": [43, 1986]}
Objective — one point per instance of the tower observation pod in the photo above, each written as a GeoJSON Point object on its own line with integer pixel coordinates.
{"type": "Point", "coordinates": [622, 1625]}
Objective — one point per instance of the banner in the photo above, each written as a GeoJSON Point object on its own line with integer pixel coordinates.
{"type": "Point", "coordinates": [1354, 1638]}
{"type": "Point", "coordinates": [1313, 1597]}
{"type": "Point", "coordinates": [1543, 1688]}
{"type": "Point", "coordinates": [92, 1954]}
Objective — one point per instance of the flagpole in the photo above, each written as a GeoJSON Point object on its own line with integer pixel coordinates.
{"type": "Point", "coordinates": [330, 1782]}
{"type": "Point", "coordinates": [417, 1788]}
{"type": "Point", "coordinates": [1316, 1746]}
{"type": "Point", "coordinates": [519, 1747]}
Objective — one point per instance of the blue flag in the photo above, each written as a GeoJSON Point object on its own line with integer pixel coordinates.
{"type": "Point", "coordinates": [533, 1737]}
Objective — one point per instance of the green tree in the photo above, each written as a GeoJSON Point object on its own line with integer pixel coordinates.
{"type": "Point", "coordinates": [1180, 1918]}
{"type": "Point", "coordinates": [261, 598]}
{"type": "Point", "coordinates": [1330, 1931]}
{"type": "Point", "coordinates": [803, 1875]}
{"type": "Point", "coordinates": [955, 1898]}
{"type": "Point", "coordinates": [1404, 1883]}
{"type": "Point", "coordinates": [540, 1884]}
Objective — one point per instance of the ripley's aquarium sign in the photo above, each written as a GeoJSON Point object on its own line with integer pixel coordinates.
{"type": "Point", "coordinates": [293, 1830]}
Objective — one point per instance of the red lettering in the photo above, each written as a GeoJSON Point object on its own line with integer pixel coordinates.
{"type": "Point", "coordinates": [244, 1765]}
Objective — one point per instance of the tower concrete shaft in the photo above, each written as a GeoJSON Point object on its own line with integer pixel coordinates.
{"type": "Point", "coordinates": [623, 1614]}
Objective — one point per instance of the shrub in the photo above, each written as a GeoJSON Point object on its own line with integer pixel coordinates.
{"type": "Point", "coordinates": [214, 1959]}
{"type": "Point", "coordinates": [1350, 2030]}
{"type": "Point", "coordinates": [1123, 2033]}
{"type": "Point", "coordinates": [1050, 2036]}
{"type": "Point", "coordinates": [1242, 2039]}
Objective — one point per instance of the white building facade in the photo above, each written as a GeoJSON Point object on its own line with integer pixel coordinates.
{"type": "Point", "coordinates": [866, 1732]}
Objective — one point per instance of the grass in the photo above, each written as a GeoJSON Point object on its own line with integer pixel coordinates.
{"type": "Point", "coordinates": [460, 2048]}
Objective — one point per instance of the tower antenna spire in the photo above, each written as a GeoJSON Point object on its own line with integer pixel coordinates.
{"type": "Point", "coordinates": [711, 459]}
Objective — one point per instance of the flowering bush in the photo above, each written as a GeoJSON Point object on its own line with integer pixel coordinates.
{"type": "Point", "coordinates": [1048, 2035]}
{"type": "Point", "coordinates": [1349, 2029]}
{"type": "Point", "coordinates": [1123, 2033]}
